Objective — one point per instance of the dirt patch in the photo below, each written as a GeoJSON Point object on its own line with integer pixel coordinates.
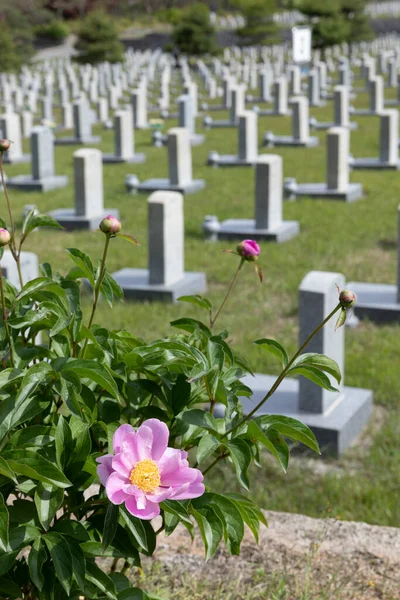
{"type": "Point", "coordinates": [329, 558]}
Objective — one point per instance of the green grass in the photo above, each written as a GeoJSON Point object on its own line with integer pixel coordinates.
{"type": "Point", "coordinates": [359, 240]}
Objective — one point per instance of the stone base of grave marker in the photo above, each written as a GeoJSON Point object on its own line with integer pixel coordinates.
{"type": "Point", "coordinates": [73, 141]}
{"type": "Point", "coordinates": [9, 159]}
{"type": "Point", "coordinates": [270, 140]}
{"type": "Point", "coordinates": [377, 302]}
{"type": "Point", "coordinates": [321, 126]}
{"type": "Point", "coordinates": [136, 286]}
{"type": "Point", "coordinates": [209, 123]}
{"type": "Point", "coordinates": [153, 185]}
{"type": "Point", "coordinates": [212, 107]}
{"type": "Point", "coordinates": [29, 267]}
{"type": "Point", "coordinates": [271, 112]}
{"type": "Point", "coordinates": [392, 103]}
{"type": "Point", "coordinates": [239, 229]}
{"type": "Point", "coordinates": [293, 190]}
{"type": "Point", "coordinates": [29, 184]}
{"type": "Point", "coordinates": [363, 112]}
{"type": "Point", "coordinates": [372, 164]}
{"type": "Point", "coordinates": [68, 218]}
{"type": "Point", "coordinates": [160, 139]}
{"type": "Point", "coordinates": [137, 158]}
{"type": "Point", "coordinates": [228, 160]}
{"type": "Point", "coordinates": [335, 429]}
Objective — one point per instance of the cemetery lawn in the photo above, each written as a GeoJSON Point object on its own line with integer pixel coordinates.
{"type": "Point", "coordinates": [359, 240]}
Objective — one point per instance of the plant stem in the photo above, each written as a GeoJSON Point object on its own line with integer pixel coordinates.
{"type": "Point", "coordinates": [4, 313]}
{"type": "Point", "coordinates": [215, 462]}
{"type": "Point", "coordinates": [97, 289]}
{"type": "Point", "coordinates": [13, 247]}
{"type": "Point", "coordinates": [212, 320]}
{"type": "Point", "coordinates": [284, 372]}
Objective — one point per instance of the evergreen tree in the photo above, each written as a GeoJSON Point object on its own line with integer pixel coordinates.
{"type": "Point", "coordinates": [354, 13]}
{"type": "Point", "coordinates": [194, 34]}
{"type": "Point", "coordinates": [98, 40]}
{"type": "Point", "coordinates": [9, 60]}
{"type": "Point", "coordinates": [260, 27]}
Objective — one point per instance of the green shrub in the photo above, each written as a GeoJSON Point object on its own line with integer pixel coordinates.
{"type": "Point", "coordinates": [8, 58]}
{"type": "Point", "coordinates": [54, 30]}
{"type": "Point", "coordinates": [195, 34]}
{"type": "Point", "coordinates": [98, 40]}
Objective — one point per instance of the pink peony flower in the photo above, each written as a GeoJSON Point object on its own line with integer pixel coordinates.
{"type": "Point", "coordinates": [248, 249]}
{"type": "Point", "coordinates": [5, 237]}
{"type": "Point", "coordinates": [143, 471]}
{"type": "Point", "coordinates": [110, 224]}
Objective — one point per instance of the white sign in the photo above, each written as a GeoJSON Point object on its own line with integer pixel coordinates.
{"type": "Point", "coordinates": [301, 43]}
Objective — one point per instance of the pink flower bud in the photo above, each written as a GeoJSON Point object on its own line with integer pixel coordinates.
{"type": "Point", "coordinates": [249, 250]}
{"type": "Point", "coordinates": [4, 237]}
{"type": "Point", "coordinates": [5, 145]}
{"type": "Point", "coordinates": [110, 224]}
{"type": "Point", "coordinates": [347, 298]}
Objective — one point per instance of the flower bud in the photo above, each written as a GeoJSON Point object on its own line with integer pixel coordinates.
{"type": "Point", "coordinates": [4, 145]}
{"type": "Point", "coordinates": [5, 237]}
{"type": "Point", "coordinates": [248, 249]}
{"type": "Point", "coordinates": [110, 224]}
{"type": "Point", "coordinates": [347, 298]}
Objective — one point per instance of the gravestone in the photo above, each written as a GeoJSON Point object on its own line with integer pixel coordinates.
{"type": "Point", "coordinates": [139, 106]}
{"type": "Point", "coordinates": [43, 178]}
{"type": "Point", "coordinates": [27, 123]}
{"type": "Point", "coordinates": [82, 126]}
{"type": "Point", "coordinates": [187, 120]}
{"type": "Point", "coordinates": [237, 106]}
{"type": "Point", "coordinates": [314, 90]}
{"type": "Point", "coordinates": [10, 127]}
{"type": "Point", "coordinates": [341, 111]}
{"type": "Point", "coordinates": [29, 268]}
{"type": "Point", "coordinates": [388, 145]}
{"type": "Point", "coordinates": [179, 168]}
{"type": "Point", "coordinates": [337, 186]}
{"type": "Point", "coordinates": [165, 279]}
{"type": "Point", "coordinates": [376, 99]}
{"type": "Point", "coordinates": [379, 302]}
{"type": "Point", "coordinates": [280, 108]}
{"type": "Point", "coordinates": [67, 115]}
{"type": "Point", "coordinates": [124, 140]}
{"type": "Point", "coordinates": [102, 110]}
{"type": "Point", "coordinates": [88, 182]}
{"type": "Point", "coordinates": [247, 145]}
{"type": "Point", "coordinates": [300, 127]}
{"type": "Point", "coordinates": [336, 418]}
{"type": "Point", "coordinates": [267, 224]}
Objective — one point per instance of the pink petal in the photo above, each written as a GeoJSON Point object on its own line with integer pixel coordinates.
{"type": "Point", "coordinates": [114, 489]}
{"type": "Point", "coordinates": [144, 442]}
{"type": "Point", "coordinates": [104, 468]}
{"type": "Point", "coordinates": [172, 459]}
{"type": "Point", "coordinates": [160, 437]}
{"type": "Point", "coordinates": [160, 495]}
{"type": "Point", "coordinates": [190, 490]}
{"type": "Point", "coordinates": [120, 435]}
{"type": "Point", "coordinates": [150, 510]}
{"type": "Point", "coordinates": [119, 465]}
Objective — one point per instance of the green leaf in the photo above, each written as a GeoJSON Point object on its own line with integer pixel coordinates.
{"type": "Point", "coordinates": [135, 526]}
{"type": "Point", "coordinates": [240, 454]}
{"type": "Point", "coordinates": [102, 581]}
{"type": "Point", "coordinates": [273, 443]}
{"type": "Point", "coordinates": [198, 417]}
{"type": "Point", "coordinates": [128, 238]}
{"type": "Point", "coordinates": [7, 560]}
{"type": "Point", "coordinates": [78, 562]}
{"type": "Point", "coordinates": [198, 300]}
{"type": "Point", "coordinates": [291, 428]}
{"type": "Point", "coordinates": [191, 325]}
{"type": "Point", "coordinates": [320, 362]}
{"type": "Point", "coordinates": [180, 394]}
{"type": "Point", "coordinates": [94, 371]}
{"type": "Point", "coordinates": [8, 587]}
{"type": "Point", "coordinates": [74, 529]}
{"type": "Point", "coordinates": [61, 557]}
{"type": "Point", "coordinates": [211, 529]}
{"type": "Point", "coordinates": [41, 221]}
{"type": "Point", "coordinates": [36, 435]}
{"type": "Point", "coordinates": [230, 516]}
{"type": "Point", "coordinates": [84, 263]}
{"type": "Point", "coordinates": [36, 559]}
{"type": "Point", "coordinates": [63, 438]}
{"type": "Point", "coordinates": [82, 443]}
{"type": "Point", "coordinates": [92, 548]}
{"type": "Point", "coordinates": [33, 377]}
{"type": "Point", "coordinates": [314, 375]}
{"type": "Point", "coordinates": [216, 354]}
{"type": "Point", "coordinates": [33, 465]}
{"type": "Point", "coordinates": [207, 445]}
{"type": "Point", "coordinates": [48, 500]}
{"type": "Point", "coordinates": [275, 348]}
{"type": "Point", "coordinates": [110, 525]}
{"type": "Point", "coordinates": [6, 471]}
{"type": "Point", "coordinates": [4, 525]}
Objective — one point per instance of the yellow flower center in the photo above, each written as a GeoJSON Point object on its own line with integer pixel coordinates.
{"type": "Point", "coordinates": [145, 475]}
